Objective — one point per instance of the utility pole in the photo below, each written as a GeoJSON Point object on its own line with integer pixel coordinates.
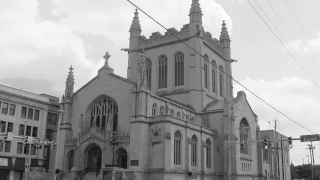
{"type": "Point", "coordinates": [277, 150]}
{"type": "Point", "coordinates": [311, 159]}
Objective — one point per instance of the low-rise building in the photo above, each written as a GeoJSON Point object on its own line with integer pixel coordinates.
{"type": "Point", "coordinates": [23, 114]}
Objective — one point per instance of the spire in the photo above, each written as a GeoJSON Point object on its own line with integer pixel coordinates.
{"type": "Point", "coordinates": [69, 85]}
{"type": "Point", "coordinates": [135, 25]}
{"type": "Point", "coordinates": [195, 11]}
{"type": "Point", "coordinates": [224, 32]}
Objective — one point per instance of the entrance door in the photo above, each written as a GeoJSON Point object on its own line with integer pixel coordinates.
{"type": "Point", "coordinates": [94, 159]}
{"type": "Point", "coordinates": [4, 174]}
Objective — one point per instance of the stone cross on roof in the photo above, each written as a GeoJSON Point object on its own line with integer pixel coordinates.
{"type": "Point", "coordinates": [106, 57]}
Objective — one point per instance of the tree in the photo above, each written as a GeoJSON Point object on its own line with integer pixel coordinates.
{"type": "Point", "coordinates": [293, 170]}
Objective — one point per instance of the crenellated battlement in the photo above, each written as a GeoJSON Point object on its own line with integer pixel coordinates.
{"type": "Point", "coordinates": [213, 42]}
{"type": "Point", "coordinates": [157, 38]}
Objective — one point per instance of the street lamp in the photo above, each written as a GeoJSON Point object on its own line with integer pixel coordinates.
{"type": "Point", "coordinates": [114, 142]}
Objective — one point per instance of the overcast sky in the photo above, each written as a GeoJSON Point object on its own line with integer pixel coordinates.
{"type": "Point", "coordinates": [39, 40]}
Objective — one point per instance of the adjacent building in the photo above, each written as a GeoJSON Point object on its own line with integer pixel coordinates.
{"type": "Point", "coordinates": [23, 114]}
{"type": "Point", "coordinates": [274, 160]}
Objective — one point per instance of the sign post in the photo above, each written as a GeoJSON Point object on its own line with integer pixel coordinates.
{"type": "Point", "coordinates": [27, 168]}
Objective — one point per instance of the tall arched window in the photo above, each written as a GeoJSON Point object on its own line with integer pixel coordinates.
{"type": "Point", "coordinates": [149, 70]}
{"type": "Point", "coordinates": [104, 110]}
{"type": "Point", "coordinates": [208, 152]}
{"type": "Point", "coordinates": [154, 109]}
{"type": "Point", "coordinates": [161, 111]}
{"type": "Point", "coordinates": [177, 148]}
{"type": "Point", "coordinates": [205, 71]}
{"type": "Point", "coordinates": [179, 68]}
{"type": "Point", "coordinates": [214, 76]}
{"type": "Point", "coordinates": [194, 151]}
{"type": "Point", "coordinates": [245, 136]}
{"type": "Point", "coordinates": [163, 71]}
{"type": "Point", "coordinates": [221, 80]}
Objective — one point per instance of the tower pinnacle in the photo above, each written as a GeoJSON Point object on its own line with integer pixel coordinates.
{"type": "Point", "coordinates": [69, 85]}
{"type": "Point", "coordinates": [135, 28]}
{"type": "Point", "coordinates": [224, 32]}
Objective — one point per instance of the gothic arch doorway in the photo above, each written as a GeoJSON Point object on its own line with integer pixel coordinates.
{"type": "Point", "coordinates": [122, 158]}
{"type": "Point", "coordinates": [94, 156]}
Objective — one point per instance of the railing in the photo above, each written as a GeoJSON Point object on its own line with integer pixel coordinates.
{"type": "Point", "coordinates": [60, 176]}
{"type": "Point", "coordinates": [80, 174]}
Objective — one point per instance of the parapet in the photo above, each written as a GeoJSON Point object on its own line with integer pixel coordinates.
{"type": "Point", "coordinates": [157, 38]}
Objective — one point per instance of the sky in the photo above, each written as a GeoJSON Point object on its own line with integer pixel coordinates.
{"type": "Point", "coordinates": [40, 40]}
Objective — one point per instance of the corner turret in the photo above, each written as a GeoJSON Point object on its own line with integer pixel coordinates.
{"type": "Point", "coordinates": [135, 33]}
{"type": "Point", "coordinates": [195, 15]}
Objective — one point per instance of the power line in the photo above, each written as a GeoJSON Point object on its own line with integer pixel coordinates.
{"type": "Point", "coordinates": [295, 16]}
{"type": "Point", "coordinates": [219, 68]}
{"type": "Point", "coordinates": [291, 35]}
{"type": "Point", "coordinates": [304, 69]}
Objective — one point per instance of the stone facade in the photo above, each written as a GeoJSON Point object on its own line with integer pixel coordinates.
{"type": "Point", "coordinates": [149, 125]}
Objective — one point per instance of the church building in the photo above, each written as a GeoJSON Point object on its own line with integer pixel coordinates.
{"type": "Point", "coordinates": [173, 117]}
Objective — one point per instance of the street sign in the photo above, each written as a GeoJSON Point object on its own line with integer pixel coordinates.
{"type": "Point", "coordinates": [10, 136]}
{"type": "Point", "coordinates": [28, 161]}
{"type": "Point", "coordinates": [313, 137]}
{"type": "Point", "coordinates": [30, 139]}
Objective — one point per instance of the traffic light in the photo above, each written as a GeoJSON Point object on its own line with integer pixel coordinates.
{"type": "Point", "coordinates": [189, 174]}
{"type": "Point", "coordinates": [241, 146]}
{"type": "Point", "coordinates": [5, 137]}
{"type": "Point", "coordinates": [290, 142]}
{"type": "Point", "coordinates": [265, 143]}
{"type": "Point", "coordinates": [53, 145]}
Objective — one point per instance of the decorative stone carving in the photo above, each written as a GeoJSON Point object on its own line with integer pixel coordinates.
{"type": "Point", "coordinates": [168, 136]}
{"type": "Point", "coordinates": [142, 71]}
{"type": "Point", "coordinates": [156, 135]}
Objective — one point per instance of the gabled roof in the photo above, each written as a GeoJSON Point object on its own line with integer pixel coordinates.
{"type": "Point", "coordinates": [242, 95]}
{"type": "Point", "coordinates": [111, 74]}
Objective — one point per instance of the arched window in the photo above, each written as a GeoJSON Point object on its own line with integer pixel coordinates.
{"type": "Point", "coordinates": [194, 151]}
{"type": "Point", "coordinates": [154, 109]}
{"type": "Point", "coordinates": [221, 80]}
{"type": "Point", "coordinates": [70, 159]}
{"type": "Point", "coordinates": [177, 148]}
{"type": "Point", "coordinates": [205, 71]}
{"type": "Point", "coordinates": [161, 111]}
{"type": "Point", "coordinates": [149, 70]}
{"type": "Point", "coordinates": [192, 119]}
{"type": "Point", "coordinates": [104, 110]}
{"type": "Point", "coordinates": [208, 151]}
{"type": "Point", "coordinates": [179, 68]}
{"type": "Point", "coordinates": [178, 115]}
{"type": "Point", "coordinates": [245, 136]}
{"type": "Point", "coordinates": [187, 117]}
{"type": "Point", "coordinates": [214, 76]}
{"type": "Point", "coordinates": [163, 71]}
{"type": "Point", "coordinates": [172, 112]}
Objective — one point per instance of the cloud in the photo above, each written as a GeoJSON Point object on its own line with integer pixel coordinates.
{"type": "Point", "coordinates": [39, 41]}
{"type": "Point", "coordinates": [296, 97]}
{"type": "Point", "coordinates": [309, 46]}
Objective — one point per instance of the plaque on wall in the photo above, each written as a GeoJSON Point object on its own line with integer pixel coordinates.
{"type": "Point", "coordinates": [134, 163]}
